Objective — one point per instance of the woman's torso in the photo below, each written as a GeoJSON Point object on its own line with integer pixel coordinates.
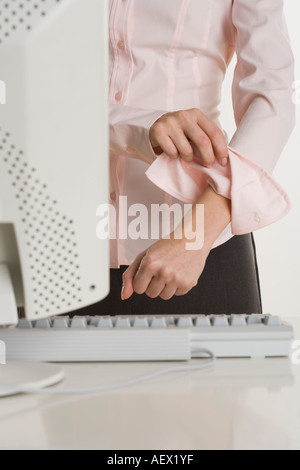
{"type": "Point", "coordinates": [164, 55]}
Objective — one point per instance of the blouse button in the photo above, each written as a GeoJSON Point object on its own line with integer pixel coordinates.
{"type": "Point", "coordinates": [121, 45]}
{"type": "Point", "coordinates": [113, 196]}
{"type": "Point", "coordinates": [118, 96]}
{"type": "Point", "coordinates": [257, 218]}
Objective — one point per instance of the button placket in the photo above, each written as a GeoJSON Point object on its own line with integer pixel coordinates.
{"type": "Point", "coordinates": [122, 54]}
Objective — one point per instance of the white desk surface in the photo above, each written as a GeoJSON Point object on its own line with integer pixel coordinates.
{"type": "Point", "coordinates": [236, 404]}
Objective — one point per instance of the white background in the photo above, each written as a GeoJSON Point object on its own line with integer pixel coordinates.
{"type": "Point", "coordinates": [278, 246]}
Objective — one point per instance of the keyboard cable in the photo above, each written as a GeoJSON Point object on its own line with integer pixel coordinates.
{"type": "Point", "coordinates": [197, 354]}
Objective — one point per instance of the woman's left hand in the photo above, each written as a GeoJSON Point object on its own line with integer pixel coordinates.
{"type": "Point", "coordinates": [166, 269]}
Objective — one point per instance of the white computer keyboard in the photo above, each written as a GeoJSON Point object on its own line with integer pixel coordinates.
{"type": "Point", "coordinates": [145, 338]}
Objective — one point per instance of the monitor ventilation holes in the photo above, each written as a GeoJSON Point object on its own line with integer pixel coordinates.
{"type": "Point", "coordinates": [55, 278]}
{"type": "Point", "coordinates": [21, 15]}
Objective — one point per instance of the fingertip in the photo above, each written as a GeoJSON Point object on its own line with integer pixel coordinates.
{"type": "Point", "coordinates": [224, 161]}
{"type": "Point", "coordinates": [126, 292]}
{"type": "Point", "coordinates": [173, 155]}
{"type": "Point", "coordinates": [124, 298]}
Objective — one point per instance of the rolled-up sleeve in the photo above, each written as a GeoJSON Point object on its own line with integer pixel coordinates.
{"type": "Point", "coordinates": [265, 117]}
{"type": "Point", "coordinates": [129, 131]}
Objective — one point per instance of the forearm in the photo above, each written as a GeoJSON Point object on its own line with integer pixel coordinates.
{"type": "Point", "coordinates": [168, 268]}
{"type": "Point", "coordinates": [217, 215]}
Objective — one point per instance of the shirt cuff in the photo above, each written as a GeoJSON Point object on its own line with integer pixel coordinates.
{"type": "Point", "coordinates": [148, 146]}
{"type": "Point", "coordinates": [257, 200]}
{"type": "Point", "coordinates": [129, 132]}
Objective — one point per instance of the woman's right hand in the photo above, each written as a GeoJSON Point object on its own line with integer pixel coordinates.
{"type": "Point", "coordinates": [176, 133]}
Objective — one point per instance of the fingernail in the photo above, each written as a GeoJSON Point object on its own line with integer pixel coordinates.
{"type": "Point", "coordinates": [224, 161]}
{"type": "Point", "coordinates": [122, 293]}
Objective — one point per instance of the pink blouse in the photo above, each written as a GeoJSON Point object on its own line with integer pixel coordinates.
{"type": "Point", "coordinates": [173, 54]}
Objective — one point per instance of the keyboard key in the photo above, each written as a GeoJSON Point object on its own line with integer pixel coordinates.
{"type": "Point", "coordinates": [104, 322]}
{"type": "Point", "coordinates": [272, 321]}
{"type": "Point", "coordinates": [158, 322]}
{"type": "Point", "coordinates": [169, 319]}
{"type": "Point", "coordinates": [184, 322]}
{"type": "Point", "coordinates": [79, 322]}
{"type": "Point", "coordinates": [220, 320]}
{"type": "Point", "coordinates": [25, 324]}
{"type": "Point", "coordinates": [140, 322]}
{"type": "Point", "coordinates": [122, 323]}
{"type": "Point", "coordinates": [61, 322]}
{"type": "Point", "coordinates": [94, 321]}
{"type": "Point", "coordinates": [43, 324]}
{"type": "Point", "coordinates": [237, 320]}
{"type": "Point", "coordinates": [255, 319]}
{"type": "Point", "coordinates": [202, 320]}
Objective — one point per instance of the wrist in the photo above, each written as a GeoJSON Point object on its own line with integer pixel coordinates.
{"type": "Point", "coordinates": [195, 244]}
